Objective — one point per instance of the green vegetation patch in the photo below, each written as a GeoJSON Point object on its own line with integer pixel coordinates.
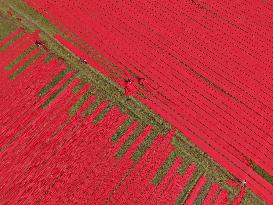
{"type": "Point", "coordinates": [148, 141]}
{"type": "Point", "coordinates": [250, 198]}
{"type": "Point", "coordinates": [73, 110]}
{"type": "Point", "coordinates": [122, 129]}
{"type": "Point", "coordinates": [57, 93]}
{"type": "Point", "coordinates": [185, 149]}
{"type": "Point", "coordinates": [53, 82]}
{"type": "Point", "coordinates": [92, 107]}
{"type": "Point", "coordinates": [9, 43]}
{"type": "Point", "coordinates": [203, 193]}
{"type": "Point", "coordinates": [27, 64]}
{"type": "Point", "coordinates": [7, 26]}
{"type": "Point", "coordinates": [19, 58]}
{"type": "Point", "coordinates": [78, 87]}
{"type": "Point", "coordinates": [102, 114]}
{"type": "Point", "coordinates": [259, 170]}
{"type": "Point", "coordinates": [184, 166]}
{"type": "Point", "coordinates": [49, 56]}
{"type": "Point", "coordinates": [124, 148]}
{"type": "Point", "coordinates": [189, 186]}
{"type": "Point", "coordinates": [164, 169]}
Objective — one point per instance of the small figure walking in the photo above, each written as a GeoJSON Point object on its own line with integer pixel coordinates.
{"type": "Point", "coordinates": [141, 81]}
{"type": "Point", "coordinates": [83, 61]}
{"type": "Point", "coordinates": [243, 183]}
{"type": "Point", "coordinates": [130, 88]}
{"type": "Point", "coordinates": [38, 43]}
{"type": "Point", "coordinates": [41, 44]}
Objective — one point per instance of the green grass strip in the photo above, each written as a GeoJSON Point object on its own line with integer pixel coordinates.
{"type": "Point", "coordinates": [72, 111]}
{"type": "Point", "coordinates": [7, 26]}
{"type": "Point", "coordinates": [141, 94]}
{"type": "Point", "coordinates": [136, 110]}
{"type": "Point", "coordinates": [122, 129]}
{"type": "Point", "coordinates": [189, 186]}
{"type": "Point", "coordinates": [250, 198]}
{"type": "Point", "coordinates": [92, 107]}
{"type": "Point", "coordinates": [19, 58]}
{"type": "Point", "coordinates": [215, 196]}
{"type": "Point", "coordinates": [184, 166]}
{"type": "Point", "coordinates": [232, 193]}
{"type": "Point", "coordinates": [53, 82]}
{"type": "Point", "coordinates": [166, 128]}
{"type": "Point", "coordinates": [259, 170]}
{"type": "Point", "coordinates": [102, 114]}
{"type": "Point", "coordinates": [203, 193]}
{"type": "Point", "coordinates": [78, 87]}
{"type": "Point", "coordinates": [9, 43]}
{"type": "Point", "coordinates": [184, 148]}
{"type": "Point", "coordinates": [48, 58]}
{"type": "Point", "coordinates": [148, 141]}
{"type": "Point", "coordinates": [57, 93]}
{"type": "Point", "coordinates": [33, 21]}
{"type": "Point", "coordinates": [27, 64]}
{"type": "Point", "coordinates": [164, 169]}
{"type": "Point", "coordinates": [124, 148]}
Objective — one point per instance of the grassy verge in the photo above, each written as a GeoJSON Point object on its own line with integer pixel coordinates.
{"type": "Point", "coordinates": [186, 149]}
{"type": "Point", "coordinates": [148, 141]}
{"type": "Point", "coordinates": [53, 82]}
{"type": "Point", "coordinates": [187, 190]}
{"type": "Point", "coordinates": [203, 193]}
{"type": "Point", "coordinates": [102, 114]}
{"type": "Point", "coordinates": [27, 64]}
{"type": "Point", "coordinates": [251, 199]}
{"type": "Point", "coordinates": [57, 93]}
{"type": "Point", "coordinates": [6, 26]}
{"type": "Point", "coordinates": [262, 172]}
{"type": "Point", "coordinates": [122, 129]}
{"type": "Point", "coordinates": [164, 169]}
{"type": "Point", "coordinates": [130, 141]}
{"type": "Point", "coordinates": [19, 58]}
{"type": "Point", "coordinates": [73, 110]}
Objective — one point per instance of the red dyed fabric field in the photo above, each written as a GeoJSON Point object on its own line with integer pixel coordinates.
{"type": "Point", "coordinates": [52, 156]}
{"type": "Point", "coordinates": [206, 65]}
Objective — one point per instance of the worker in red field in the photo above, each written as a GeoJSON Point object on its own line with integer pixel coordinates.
{"type": "Point", "coordinates": [130, 88]}
{"type": "Point", "coordinates": [41, 43]}
{"type": "Point", "coordinates": [83, 61]}
{"type": "Point", "coordinates": [60, 59]}
{"type": "Point", "coordinates": [243, 183]}
{"type": "Point", "coordinates": [38, 43]}
{"type": "Point", "coordinates": [141, 81]}
{"type": "Point", "coordinates": [129, 82]}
